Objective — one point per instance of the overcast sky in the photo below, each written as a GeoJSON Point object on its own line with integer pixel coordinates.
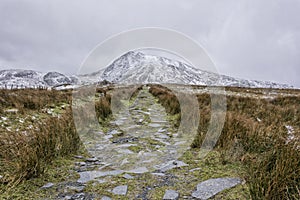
{"type": "Point", "coordinates": [253, 39]}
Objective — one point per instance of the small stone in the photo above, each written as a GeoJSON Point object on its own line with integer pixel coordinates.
{"type": "Point", "coordinates": [113, 132]}
{"type": "Point", "coordinates": [92, 159]}
{"type": "Point", "coordinates": [158, 174]}
{"type": "Point", "coordinates": [76, 189]}
{"type": "Point", "coordinates": [171, 195]}
{"type": "Point", "coordinates": [127, 176]}
{"type": "Point", "coordinates": [171, 165]}
{"type": "Point", "coordinates": [161, 130]}
{"type": "Point", "coordinates": [81, 163]}
{"type": "Point", "coordinates": [1, 177]}
{"type": "Point", "coordinates": [78, 196]}
{"type": "Point", "coordinates": [78, 157]}
{"type": "Point", "coordinates": [68, 197]}
{"type": "Point", "coordinates": [120, 190]}
{"type": "Point", "coordinates": [196, 169]}
{"type": "Point", "coordinates": [101, 181]}
{"type": "Point", "coordinates": [154, 125]}
{"type": "Point", "coordinates": [47, 185]}
{"type": "Point", "coordinates": [105, 198]}
{"type": "Point", "coordinates": [125, 151]}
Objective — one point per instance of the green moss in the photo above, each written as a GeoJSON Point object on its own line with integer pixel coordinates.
{"type": "Point", "coordinates": [136, 149]}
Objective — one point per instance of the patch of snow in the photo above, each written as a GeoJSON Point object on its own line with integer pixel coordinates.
{"type": "Point", "coordinates": [259, 120]}
{"type": "Point", "coordinates": [291, 135]}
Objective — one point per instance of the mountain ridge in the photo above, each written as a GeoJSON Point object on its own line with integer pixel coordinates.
{"type": "Point", "coordinates": [132, 67]}
{"type": "Point", "coordinates": [137, 67]}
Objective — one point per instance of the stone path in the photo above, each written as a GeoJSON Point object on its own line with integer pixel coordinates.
{"type": "Point", "coordinates": [141, 136]}
{"type": "Point", "coordinates": [139, 140]}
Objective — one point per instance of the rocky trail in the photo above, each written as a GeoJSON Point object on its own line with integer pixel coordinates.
{"type": "Point", "coordinates": [136, 156]}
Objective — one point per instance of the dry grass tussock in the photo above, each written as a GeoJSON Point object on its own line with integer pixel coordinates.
{"type": "Point", "coordinates": [25, 152]}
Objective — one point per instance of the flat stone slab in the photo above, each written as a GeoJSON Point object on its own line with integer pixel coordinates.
{"type": "Point", "coordinates": [211, 187]}
{"type": "Point", "coordinates": [105, 198]}
{"type": "Point", "coordinates": [171, 195]}
{"type": "Point", "coordinates": [120, 190]}
{"type": "Point", "coordinates": [92, 175]}
{"type": "Point", "coordinates": [154, 125]}
{"type": "Point", "coordinates": [171, 165]}
{"type": "Point", "coordinates": [139, 170]}
{"type": "Point", "coordinates": [127, 176]}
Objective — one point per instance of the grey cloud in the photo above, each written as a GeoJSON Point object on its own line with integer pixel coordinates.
{"type": "Point", "coordinates": [249, 39]}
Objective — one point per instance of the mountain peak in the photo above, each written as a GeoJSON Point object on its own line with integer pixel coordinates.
{"type": "Point", "coordinates": [133, 67]}
{"type": "Point", "coordinates": [138, 67]}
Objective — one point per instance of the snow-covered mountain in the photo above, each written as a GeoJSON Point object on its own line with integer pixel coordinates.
{"type": "Point", "coordinates": [137, 67]}
{"type": "Point", "coordinates": [18, 78]}
{"type": "Point", "coordinates": [132, 67]}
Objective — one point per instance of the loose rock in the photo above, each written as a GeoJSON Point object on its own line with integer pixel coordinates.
{"type": "Point", "coordinates": [76, 188]}
{"type": "Point", "coordinates": [171, 165]}
{"type": "Point", "coordinates": [195, 169]}
{"type": "Point", "coordinates": [78, 157]}
{"type": "Point", "coordinates": [211, 187]}
{"type": "Point", "coordinates": [171, 195]}
{"type": "Point", "coordinates": [105, 198]}
{"type": "Point", "coordinates": [127, 176]}
{"type": "Point", "coordinates": [120, 190]}
{"type": "Point", "coordinates": [91, 175]}
{"type": "Point", "coordinates": [92, 159]}
{"type": "Point", "coordinates": [48, 185]}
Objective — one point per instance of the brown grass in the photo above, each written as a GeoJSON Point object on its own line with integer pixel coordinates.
{"type": "Point", "coordinates": [25, 157]}
{"type": "Point", "coordinates": [273, 164]}
{"type": "Point", "coordinates": [254, 134]}
{"type": "Point", "coordinates": [32, 99]}
{"type": "Point", "coordinates": [25, 153]}
{"type": "Point", "coordinates": [166, 98]}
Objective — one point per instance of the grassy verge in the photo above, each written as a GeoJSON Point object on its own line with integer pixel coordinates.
{"type": "Point", "coordinates": [36, 126]}
{"type": "Point", "coordinates": [255, 134]}
{"type": "Point", "coordinates": [38, 131]}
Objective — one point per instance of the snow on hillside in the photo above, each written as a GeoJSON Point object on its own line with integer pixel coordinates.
{"type": "Point", "coordinates": [17, 78]}
{"type": "Point", "coordinates": [137, 67]}
{"type": "Point", "coordinates": [132, 67]}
